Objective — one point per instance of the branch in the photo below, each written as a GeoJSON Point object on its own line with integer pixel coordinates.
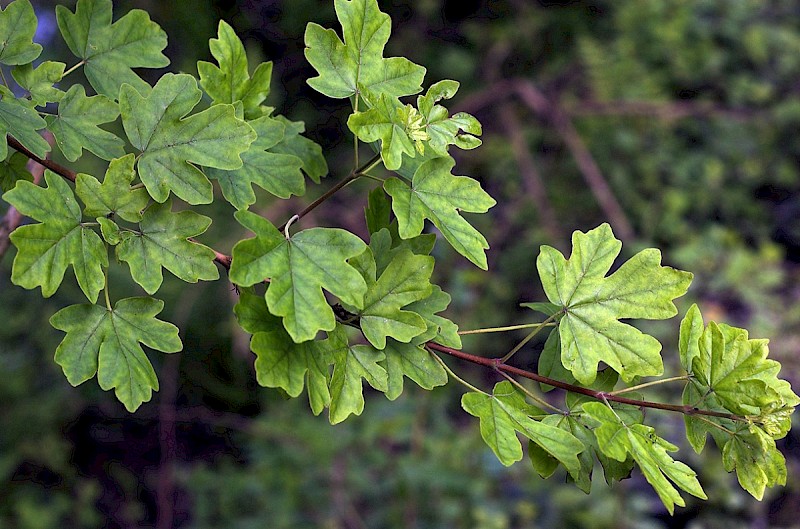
{"type": "Point", "coordinates": [69, 174]}
{"type": "Point", "coordinates": [498, 365]}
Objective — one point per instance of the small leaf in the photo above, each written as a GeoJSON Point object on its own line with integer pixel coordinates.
{"type": "Point", "coordinates": [161, 242]}
{"type": "Point", "coordinates": [299, 268]}
{"type": "Point", "coordinates": [21, 122]}
{"type": "Point", "coordinates": [412, 361]}
{"type": "Point", "coordinates": [440, 329]}
{"type": "Point", "coordinates": [12, 170]}
{"type": "Point", "coordinates": [46, 249]}
{"type": "Point", "coordinates": [310, 153]}
{"type": "Point", "coordinates": [39, 82]}
{"type": "Point", "coordinates": [592, 304]}
{"type": "Point", "coordinates": [505, 412]}
{"type": "Point", "coordinates": [230, 81]}
{"type": "Point", "coordinates": [358, 61]}
{"type": "Point", "coordinates": [277, 173]}
{"type": "Point", "coordinates": [170, 142]}
{"type": "Point", "coordinates": [114, 196]}
{"type": "Point", "coordinates": [17, 28]}
{"type": "Point", "coordinates": [352, 363]}
{"type": "Point", "coordinates": [106, 343]}
{"type": "Point", "coordinates": [76, 125]}
{"type": "Point", "coordinates": [443, 130]}
{"type": "Point", "coordinates": [109, 51]}
{"type": "Point", "coordinates": [757, 461]}
{"type": "Point", "coordinates": [689, 342]}
{"type": "Point", "coordinates": [384, 122]}
{"type": "Point", "coordinates": [437, 195]}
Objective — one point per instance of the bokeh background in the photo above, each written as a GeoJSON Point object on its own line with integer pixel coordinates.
{"type": "Point", "coordinates": [675, 120]}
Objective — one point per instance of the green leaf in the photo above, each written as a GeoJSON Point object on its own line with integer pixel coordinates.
{"type": "Point", "coordinates": [378, 211]}
{"type": "Point", "coordinates": [590, 330]}
{"type": "Point", "coordinates": [505, 412]}
{"type": "Point", "coordinates": [39, 82]}
{"type": "Point", "coordinates": [404, 281]}
{"type": "Point", "coordinates": [757, 461]}
{"type": "Point", "coordinates": [114, 196]}
{"type": "Point", "coordinates": [437, 195]}
{"type": "Point", "coordinates": [352, 363]}
{"type": "Point", "coordinates": [358, 61]}
{"type": "Point", "coordinates": [384, 122]}
{"type": "Point", "coordinates": [442, 129]}
{"type": "Point", "coordinates": [109, 51]}
{"type": "Point", "coordinates": [22, 122]}
{"type": "Point", "coordinates": [230, 81]}
{"type": "Point", "coordinates": [161, 242]}
{"type": "Point", "coordinates": [281, 363]}
{"type": "Point", "coordinates": [299, 268]}
{"type": "Point", "coordinates": [170, 142]}
{"type": "Point", "coordinates": [310, 153]}
{"type": "Point", "coordinates": [689, 341]}
{"type": "Point", "coordinates": [439, 329]}
{"type": "Point", "coordinates": [277, 173]}
{"type": "Point", "coordinates": [17, 28]}
{"type": "Point", "coordinates": [106, 343]}
{"type": "Point", "coordinates": [412, 361]}
{"type": "Point", "coordinates": [12, 170]}
{"type": "Point", "coordinates": [75, 127]}
{"type": "Point", "coordinates": [46, 249]}
{"type": "Point", "coordinates": [617, 440]}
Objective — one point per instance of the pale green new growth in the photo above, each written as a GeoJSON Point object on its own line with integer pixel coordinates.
{"type": "Point", "coordinates": [106, 343]}
{"type": "Point", "coordinates": [592, 304]}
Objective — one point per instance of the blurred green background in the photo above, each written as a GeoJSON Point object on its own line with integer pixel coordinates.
{"type": "Point", "coordinates": [675, 120]}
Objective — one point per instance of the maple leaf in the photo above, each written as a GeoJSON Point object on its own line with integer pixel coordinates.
{"type": "Point", "coordinates": [505, 412]}
{"type": "Point", "coordinates": [405, 280]}
{"type": "Point", "coordinates": [617, 439]}
{"type": "Point", "coordinates": [45, 250]}
{"type": "Point", "coordinates": [352, 363]}
{"type": "Point", "coordinates": [441, 128]}
{"type": "Point", "coordinates": [19, 120]}
{"type": "Point", "coordinates": [75, 127]}
{"type": "Point", "coordinates": [281, 363]}
{"type": "Point", "coordinates": [592, 304]}
{"type": "Point", "coordinates": [384, 122]}
{"type": "Point", "coordinates": [39, 81]}
{"type": "Point", "coordinates": [17, 28]}
{"type": "Point", "coordinates": [13, 169]}
{"type": "Point", "coordinates": [230, 81]}
{"type": "Point", "coordinates": [161, 242]}
{"type": "Point", "coordinates": [438, 195]}
{"type": "Point", "coordinates": [109, 51]}
{"type": "Point", "coordinates": [310, 153]}
{"type": "Point", "coordinates": [343, 67]}
{"type": "Point", "coordinates": [169, 142]}
{"type": "Point", "coordinates": [411, 360]}
{"type": "Point", "coordinates": [114, 196]}
{"type": "Point", "coordinates": [299, 268]}
{"type": "Point", "coordinates": [756, 460]}
{"type": "Point", "coordinates": [106, 343]}
{"type": "Point", "coordinates": [276, 172]}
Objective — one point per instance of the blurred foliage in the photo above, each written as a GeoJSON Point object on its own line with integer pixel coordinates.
{"type": "Point", "coordinates": [689, 109]}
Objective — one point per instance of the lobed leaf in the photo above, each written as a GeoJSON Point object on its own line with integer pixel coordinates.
{"type": "Point", "coordinates": [115, 195]}
{"type": "Point", "coordinates": [39, 81]}
{"type": "Point", "coordinates": [17, 28]}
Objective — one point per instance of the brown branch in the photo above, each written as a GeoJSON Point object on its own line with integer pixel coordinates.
{"type": "Point", "coordinates": [496, 364]}
{"type": "Point", "coordinates": [69, 174]}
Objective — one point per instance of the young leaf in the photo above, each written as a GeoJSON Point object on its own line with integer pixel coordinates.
{"type": "Point", "coordinates": [75, 127]}
{"type": "Point", "coordinates": [505, 412]}
{"type": "Point", "coordinates": [39, 81]}
{"type": "Point", "coordinates": [281, 363]}
{"type": "Point", "coordinates": [17, 28]}
{"type": "Point", "coordinates": [405, 280]}
{"type": "Point", "coordinates": [299, 268]}
{"type": "Point", "coordinates": [437, 195]}
{"type": "Point", "coordinates": [114, 196]}
{"type": "Point", "coordinates": [12, 170]}
{"type": "Point", "coordinates": [384, 122]}
{"type": "Point", "coordinates": [230, 81]}
{"type": "Point", "coordinates": [413, 361]}
{"type": "Point", "coordinates": [351, 364]}
{"type": "Point", "coordinates": [46, 249]}
{"type": "Point", "coordinates": [442, 129]}
{"type": "Point", "coordinates": [109, 51]}
{"type": "Point", "coordinates": [277, 173]}
{"type": "Point", "coordinates": [440, 329]}
{"type": "Point", "coordinates": [310, 153]}
{"type": "Point", "coordinates": [161, 242]}
{"type": "Point", "coordinates": [617, 440]}
{"type": "Point", "coordinates": [343, 67]}
{"type": "Point", "coordinates": [22, 122]}
{"type": "Point", "coordinates": [170, 142]}
{"type": "Point", "coordinates": [590, 330]}
{"type": "Point", "coordinates": [106, 342]}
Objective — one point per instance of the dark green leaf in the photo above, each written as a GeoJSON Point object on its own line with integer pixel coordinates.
{"type": "Point", "coordinates": [17, 28]}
